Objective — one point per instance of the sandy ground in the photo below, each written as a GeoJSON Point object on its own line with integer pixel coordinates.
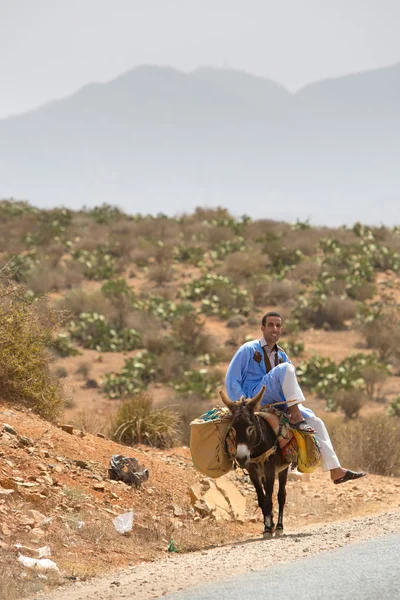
{"type": "Point", "coordinates": [181, 572]}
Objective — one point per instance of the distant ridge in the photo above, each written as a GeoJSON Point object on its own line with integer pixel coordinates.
{"type": "Point", "coordinates": [156, 139]}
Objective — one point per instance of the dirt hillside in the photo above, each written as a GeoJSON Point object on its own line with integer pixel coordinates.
{"type": "Point", "coordinates": [55, 491]}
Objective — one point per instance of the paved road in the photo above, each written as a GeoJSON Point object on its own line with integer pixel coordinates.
{"type": "Point", "coordinates": [365, 571]}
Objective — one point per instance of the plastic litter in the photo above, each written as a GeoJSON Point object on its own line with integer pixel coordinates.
{"type": "Point", "coordinates": [44, 552]}
{"type": "Point", "coordinates": [39, 564]}
{"type": "Point", "coordinates": [128, 470]}
{"type": "Point", "coordinates": [123, 523]}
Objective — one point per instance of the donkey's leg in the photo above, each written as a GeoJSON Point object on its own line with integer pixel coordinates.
{"type": "Point", "coordinates": [268, 481]}
{"type": "Point", "coordinates": [254, 473]}
{"type": "Point", "coordinates": [281, 497]}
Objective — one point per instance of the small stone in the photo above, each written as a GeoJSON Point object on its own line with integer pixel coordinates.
{"type": "Point", "coordinates": [68, 428]}
{"type": "Point", "coordinates": [99, 487]}
{"type": "Point", "coordinates": [82, 464]}
{"type": "Point", "coordinates": [9, 429]}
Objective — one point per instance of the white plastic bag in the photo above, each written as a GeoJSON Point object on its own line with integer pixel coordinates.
{"type": "Point", "coordinates": [41, 564]}
{"type": "Point", "coordinates": [124, 522]}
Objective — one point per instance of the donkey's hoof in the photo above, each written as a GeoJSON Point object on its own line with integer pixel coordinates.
{"type": "Point", "coordinates": [268, 532]}
{"type": "Point", "coordinates": [279, 532]}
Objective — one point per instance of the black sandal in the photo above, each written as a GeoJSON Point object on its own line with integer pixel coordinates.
{"type": "Point", "coordinates": [350, 475]}
{"type": "Point", "coordinates": [302, 426]}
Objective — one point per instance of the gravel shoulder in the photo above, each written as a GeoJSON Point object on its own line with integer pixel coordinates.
{"type": "Point", "coordinates": [178, 572]}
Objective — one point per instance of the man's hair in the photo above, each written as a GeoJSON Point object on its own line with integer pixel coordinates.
{"type": "Point", "coordinates": [271, 313]}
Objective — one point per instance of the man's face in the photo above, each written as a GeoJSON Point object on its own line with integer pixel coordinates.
{"type": "Point", "coordinates": [272, 330]}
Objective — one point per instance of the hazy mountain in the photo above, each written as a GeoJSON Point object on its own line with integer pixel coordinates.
{"type": "Point", "coordinates": [156, 139]}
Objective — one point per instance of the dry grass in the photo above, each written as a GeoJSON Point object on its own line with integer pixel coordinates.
{"type": "Point", "coordinates": [136, 422]}
{"type": "Point", "coordinates": [371, 443]}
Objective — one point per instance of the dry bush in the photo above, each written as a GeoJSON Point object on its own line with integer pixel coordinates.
{"type": "Point", "coordinates": [273, 292]}
{"type": "Point", "coordinates": [172, 364]}
{"type": "Point", "coordinates": [241, 266]}
{"type": "Point", "coordinates": [45, 278]}
{"type": "Point", "coordinates": [370, 443]}
{"type": "Point", "coordinates": [349, 401]}
{"type": "Point", "coordinates": [77, 301]}
{"type": "Point", "coordinates": [188, 331]}
{"type": "Point", "coordinates": [26, 331]}
{"type": "Point", "coordinates": [90, 421]}
{"type": "Point", "coordinates": [150, 329]}
{"type": "Point", "coordinates": [306, 241]}
{"type": "Point", "coordinates": [374, 378]}
{"type": "Point", "coordinates": [364, 292]}
{"type": "Point", "coordinates": [214, 234]}
{"type": "Point", "coordinates": [307, 271]}
{"type": "Point", "coordinates": [383, 334]}
{"type": "Point", "coordinates": [84, 369]}
{"type": "Point", "coordinates": [333, 312]}
{"type": "Point", "coordinates": [136, 422]}
{"type": "Point", "coordinates": [161, 273]}
{"type": "Point", "coordinates": [236, 321]}
{"type": "Point", "coordinates": [265, 228]}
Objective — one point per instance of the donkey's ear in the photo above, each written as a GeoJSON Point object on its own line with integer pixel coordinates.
{"type": "Point", "coordinates": [252, 402]}
{"type": "Point", "coordinates": [224, 397]}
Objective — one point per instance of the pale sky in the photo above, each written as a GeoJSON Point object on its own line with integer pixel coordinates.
{"type": "Point", "coordinates": [51, 48]}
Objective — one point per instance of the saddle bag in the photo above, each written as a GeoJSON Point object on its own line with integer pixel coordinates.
{"type": "Point", "coordinates": [207, 442]}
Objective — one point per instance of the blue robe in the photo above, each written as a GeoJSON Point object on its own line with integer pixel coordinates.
{"type": "Point", "coordinates": [247, 374]}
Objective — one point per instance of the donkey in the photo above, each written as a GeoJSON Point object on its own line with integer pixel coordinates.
{"type": "Point", "coordinates": [256, 450]}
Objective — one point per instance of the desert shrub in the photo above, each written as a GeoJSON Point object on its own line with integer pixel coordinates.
{"type": "Point", "coordinates": [134, 376]}
{"type": "Point", "coordinates": [92, 331]}
{"type": "Point", "coordinates": [188, 254]}
{"type": "Point", "coordinates": [382, 332]}
{"type": "Point", "coordinates": [394, 408]}
{"type": "Point", "coordinates": [331, 311]}
{"type": "Point", "coordinates": [61, 372]}
{"type": "Point", "coordinates": [26, 331]}
{"type": "Point", "coordinates": [161, 273]}
{"type": "Point", "coordinates": [374, 377]}
{"type": "Point", "coordinates": [363, 291]}
{"type": "Point", "coordinates": [188, 408]}
{"type": "Point", "coordinates": [327, 378]}
{"type": "Point", "coordinates": [201, 382]}
{"type": "Point", "coordinates": [241, 266]}
{"type": "Point", "coordinates": [293, 348]}
{"type": "Point", "coordinates": [121, 299]}
{"type": "Point", "coordinates": [306, 272]}
{"type": "Point", "coordinates": [371, 443]}
{"type": "Point", "coordinates": [98, 264]}
{"type": "Point", "coordinates": [137, 422]}
{"type": "Point", "coordinates": [21, 266]}
{"type": "Point", "coordinates": [190, 338]}
{"type": "Point", "coordinates": [282, 258]}
{"type": "Point", "coordinates": [43, 278]}
{"type": "Point", "coordinates": [349, 401]}
{"type": "Point", "coordinates": [90, 421]}
{"type": "Point", "coordinates": [62, 347]}
{"type": "Point", "coordinates": [84, 369]}
{"type": "Point", "coordinates": [77, 301]}
{"type": "Point", "coordinates": [273, 292]}
{"type": "Point", "coordinates": [105, 214]}
{"type": "Point", "coordinates": [218, 295]}
{"type": "Point", "coordinates": [236, 321]}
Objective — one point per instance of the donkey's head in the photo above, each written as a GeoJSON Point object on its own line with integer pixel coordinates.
{"type": "Point", "coordinates": [245, 424]}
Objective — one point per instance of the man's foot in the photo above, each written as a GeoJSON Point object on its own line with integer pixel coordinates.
{"type": "Point", "coordinates": [297, 421]}
{"type": "Point", "coordinates": [346, 475]}
{"type": "Point", "coordinates": [302, 426]}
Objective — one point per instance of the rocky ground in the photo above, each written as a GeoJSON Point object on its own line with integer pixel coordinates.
{"type": "Point", "coordinates": [55, 491]}
{"type": "Point", "coordinates": [181, 572]}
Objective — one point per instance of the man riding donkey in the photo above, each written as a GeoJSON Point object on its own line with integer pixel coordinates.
{"type": "Point", "coordinates": [263, 363]}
